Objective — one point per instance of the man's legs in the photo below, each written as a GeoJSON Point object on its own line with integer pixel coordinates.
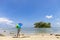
{"type": "Point", "coordinates": [18, 32]}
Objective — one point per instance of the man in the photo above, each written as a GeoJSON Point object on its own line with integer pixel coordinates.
{"type": "Point", "coordinates": [18, 26]}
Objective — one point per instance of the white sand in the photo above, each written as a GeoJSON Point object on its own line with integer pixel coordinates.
{"type": "Point", "coordinates": [33, 37]}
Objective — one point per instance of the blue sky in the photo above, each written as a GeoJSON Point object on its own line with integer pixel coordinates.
{"type": "Point", "coordinates": [30, 11]}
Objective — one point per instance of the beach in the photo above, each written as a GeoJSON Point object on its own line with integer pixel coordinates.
{"type": "Point", "coordinates": [31, 34]}
{"type": "Point", "coordinates": [33, 37]}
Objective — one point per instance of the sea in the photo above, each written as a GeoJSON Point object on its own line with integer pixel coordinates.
{"type": "Point", "coordinates": [29, 30]}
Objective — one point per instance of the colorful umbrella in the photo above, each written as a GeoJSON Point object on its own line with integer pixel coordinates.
{"type": "Point", "coordinates": [19, 25]}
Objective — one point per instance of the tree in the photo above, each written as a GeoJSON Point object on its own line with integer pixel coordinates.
{"type": "Point", "coordinates": [42, 25]}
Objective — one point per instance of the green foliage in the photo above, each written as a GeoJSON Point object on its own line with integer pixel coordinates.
{"type": "Point", "coordinates": [42, 25]}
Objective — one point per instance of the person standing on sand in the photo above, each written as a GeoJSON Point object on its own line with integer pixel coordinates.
{"type": "Point", "coordinates": [18, 26]}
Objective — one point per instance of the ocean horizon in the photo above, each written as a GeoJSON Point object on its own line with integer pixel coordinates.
{"type": "Point", "coordinates": [30, 30]}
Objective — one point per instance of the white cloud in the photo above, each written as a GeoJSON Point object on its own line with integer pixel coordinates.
{"type": "Point", "coordinates": [6, 21]}
{"type": "Point", "coordinates": [58, 23]}
{"type": "Point", "coordinates": [49, 16]}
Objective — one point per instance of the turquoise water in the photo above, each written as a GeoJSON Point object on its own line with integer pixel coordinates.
{"type": "Point", "coordinates": [30, 30]}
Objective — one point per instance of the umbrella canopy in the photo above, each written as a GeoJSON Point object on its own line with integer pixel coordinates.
{"type": "Point", "coordinates": [19, 25]}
